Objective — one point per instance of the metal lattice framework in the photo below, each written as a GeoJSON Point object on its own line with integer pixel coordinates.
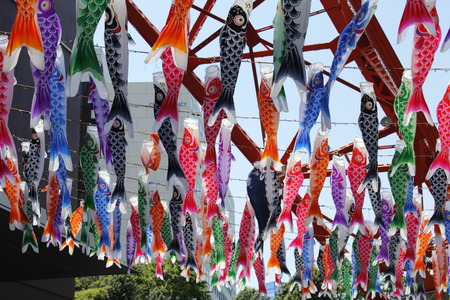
{"type": "Point", "coordinates": [372, 54]}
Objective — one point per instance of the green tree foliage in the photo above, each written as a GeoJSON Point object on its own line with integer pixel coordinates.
{"type": "Point", "coordinates": [249, 294]}
{"type": "Point", "coordinates": [142, 285]}
{"type": "Point", "coordinates": [296, 293]}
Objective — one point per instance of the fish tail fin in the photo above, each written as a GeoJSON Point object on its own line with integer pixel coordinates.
{"type": "Point", "coordinates": [175, 174]}
{"type": "Point", "coordinates": [210, 155]}
{"type": "Point", "coordinates": [437, 218]}
{"type": "Point", "coordinates": [410, 255]}
{"type": "Point", "coordinates": [259, 243]}
{"type": "Point", "coordinates": [17, 217]}
{"type": "Point", "coordinates": [262, 287]}
{"type": "Point", "coordinates": [314, 211]}
{"type": "Point", "coordinates": [362, 280]}
{"type": "Point", "coordinates": [158, 244]}
{"type": "Point", "coordinates": [274, 264]}
{"type": "Point", "coordinates": [357, 218]}
{"type": "Point", "coordinates": [220, 258]}
{"type": "Point", "coordinates": [84, 59]}
{"type": "Point", "coordinates": [397, 222]}
{"type": "Point", "coordinates": [292, 65]}
{"type": "Point", "coordinates": [70, 243]}
{"type": "Point", "coordinates": [59, 147]}
{"type": "Point", "coordinates": [174, 246]}
{"type": "Point", "coordinates": [297, 242]}
{"type": "Point", "coordinates": [108, 158]}
{"type": "Point", "coordinates": [24, 32]}
{"type": "Point", "coordinates": [212, 209]}
{"type": "Point", "coordinates": [225, 102]}
{"type": "Point", "coordinates": [159, 272]}
{"type": "Point", "coordinates": [389, 275]}
{"type": "Point", "coordinates": [419, 267]}
{"type": "Point", "coordinates": [335, 275]}
{"type": "Point", "coordinates": [409, 207]}
{"type": "Point", "coordinates": [285, 216]}
{"type": "Point", "coordinates": [340, 219]}
{"type": "Point", "coordinates": [284, 269]}
{"type": "Point", "coordinates": [383, 255]}
{"type": "Point", "coordinates": [117, 249]}
{"type": "Point", "coordinates": [442, 161]}
{"type": "Point", "coordinates": [296, 281]}
{"type": "Point", "coordinates": [307, 276]}
{"type": "Point", "coordinates": [140, 256]}
{"type": "Point", "coordinates": [40, 104]}
{"type": "Point", "coordinates": [189, 202]}
{"type": "Point", "coordinates": [446, 43]}
{"type": "Point", "coordinates": [84, 235]}
{"type": "Point", "coordinates": [406, 157]}
{"type": "Point", "coordinates": [272, 222]}
{"type": "Point", "coordinates": [417, 103]}
{"type": "Point", "coordinates": [121, 110]}
{"type": "Point", "coordinates": [169, 109]}
{"type": "Point", "coordinates": [371, 177]}
{"type": "Point", "coordinates": [415, 12]}
{"type": "Point", "coordinates": [270, 153]}
{"type": "Point", "coordinates": [144, 243]}
{"type": "Point", "coordinates": [190, 262]}
{"type": "Point", "coordinates": [118, 194]}
{"type": "Point", "coordinates": [6, 138]}
{"type": "Point", "coordinates": [105, 239]}
{"type": "Point", "coordinates": [29, 239]}
{"type": "Point", "coordinates": [242, 259]}
{"type": "Point", "coordinates": [89, 201]}
{"type": "Point", "coordinates": [173, 34]}
{"type": "Point", "coordinates": [49, 232]}
{"type": "Point", "coordinates": [303, 141]}
{"type": "Point", "coordinates": [280, 101]}
{"type": "Point", "coordinates": [325, 114]}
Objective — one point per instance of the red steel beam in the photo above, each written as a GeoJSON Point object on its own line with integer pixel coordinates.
{"type": "Point", "coordinates": [201, 19]}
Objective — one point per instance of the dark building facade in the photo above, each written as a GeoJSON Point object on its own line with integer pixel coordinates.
{"type": "Point", "coordinates": [50, 273]}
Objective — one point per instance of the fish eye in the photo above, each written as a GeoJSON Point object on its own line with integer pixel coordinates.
{"type": "Point", "coordinates": [326, 148]}
{"type": "Point", "coordinates": [45, 5]}
{"type": "Point", "coordinates": [116, 124]}
{"type": "Point", "coordinates": [360, 16]}
{"type": "Point", "coordinates": [318, 80]}
{"type": "Point", "coordinates": [239, 20]}
{"type": "Point", "coordinates": [401, 93]}
{"type": "Point", "coordinates": [385, 207]}
{"type": "Point", "coordinates": [369, 105]}
{"type": "Point", "coordinates": [212, 89]}
{"type": "Point", "coordinates": [89, 143]}
{"type": "Point", "coordinates": [159, 96]}
{"type": "Point", "coordinates": [358, 158]}
{"type": "Point", "coordinates": [187, 139]}
{"type": "Point", "coordinates": [34, 136]}
{"type": "Point", "coordinates": [101, 186]}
